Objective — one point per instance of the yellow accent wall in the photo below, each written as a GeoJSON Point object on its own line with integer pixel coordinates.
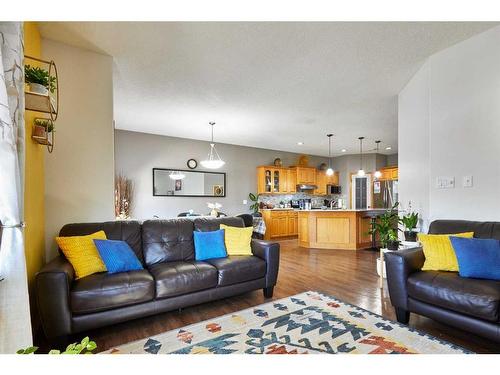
{"type": "Point", "coordinates": [34, 183]}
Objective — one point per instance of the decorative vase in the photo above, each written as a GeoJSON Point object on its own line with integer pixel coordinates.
{"type": "Point", "coordinates": [214, 213]}
{"type": "Point", "coordinates": [38, 88]}
{"type": "Point", "coordinates": [410, 236]}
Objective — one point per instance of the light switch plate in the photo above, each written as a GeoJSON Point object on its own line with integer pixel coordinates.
{"type": "Point", "coordinates": [245, 201]}
{"type": "Point", "coordinates": [445, 182]}
{"type": "Point", "coordinates": [467, 181]}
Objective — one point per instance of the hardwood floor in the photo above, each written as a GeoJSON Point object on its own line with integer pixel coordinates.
{"type": "Point", "coordinates": [347, 275]}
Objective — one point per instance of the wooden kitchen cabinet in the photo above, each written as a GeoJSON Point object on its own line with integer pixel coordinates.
{"type": "Point", "coordinates": [389, 173]}
{"type": "Point", "coordinates": [322, 180]}
{"type": "Point", "coordinates": [305, 175]}
{"type": "Point", "coordinates": [275, 180]}
{"type": "Point", "coordinates": [280, 223]}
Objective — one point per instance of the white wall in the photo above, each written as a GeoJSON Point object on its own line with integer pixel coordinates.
{"type": "Point", "coordinates": [79, 174]}
{"type": "Point", "coordinates": [137, 154]}
{"type": "Point", "coordinates": [449, 125]}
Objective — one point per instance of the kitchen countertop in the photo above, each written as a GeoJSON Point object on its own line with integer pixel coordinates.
{"type": "Point", "coordinates": [327, 210]}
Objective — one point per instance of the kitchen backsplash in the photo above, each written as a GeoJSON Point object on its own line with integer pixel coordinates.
{"type": "Point", "coordinates": [276, 199]}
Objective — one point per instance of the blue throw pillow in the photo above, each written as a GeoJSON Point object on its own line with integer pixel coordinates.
{"type": "Point", "coordinates": [477, 258]}
{"type": "Point", "coordinates": [117, 256]}
{"type": "Point", "coordinates": [209, 245]}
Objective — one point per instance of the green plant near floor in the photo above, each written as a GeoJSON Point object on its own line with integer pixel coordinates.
{"type": "Point", "coordinates": [254, 198]}
{"type": "Point", "coordinates": [410, 221]}
{"type": "Point", "coordinates": [84, 347]}
{"type": "Point", "coordinates": [386, 226]}
{"type": "Point", "coordinates": [34, 74]}
{"type": "Point", "coordinates": [48, 125]}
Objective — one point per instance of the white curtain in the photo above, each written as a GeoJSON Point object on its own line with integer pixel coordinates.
{"type": "Point", "coordinates": [15, 321]}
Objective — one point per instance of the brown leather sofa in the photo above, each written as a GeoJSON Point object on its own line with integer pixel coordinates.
{"type": "Point", "coordinates": [469, 304]}
{"type": "Point", "coordinates": [171, 278]}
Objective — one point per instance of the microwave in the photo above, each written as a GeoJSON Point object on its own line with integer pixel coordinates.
{"type": "Point", "coordinates": [333, 189]}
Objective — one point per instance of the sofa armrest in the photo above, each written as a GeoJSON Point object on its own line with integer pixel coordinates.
{"type": "Point", "coordinates": [53, 284]}
{"type": "Point", "coordinates": [270, 252]}
{"type": "Point", "coordinates": [399, 265]}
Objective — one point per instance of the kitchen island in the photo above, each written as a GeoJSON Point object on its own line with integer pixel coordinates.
{"type": "Point", "coordinates": [336, 229]}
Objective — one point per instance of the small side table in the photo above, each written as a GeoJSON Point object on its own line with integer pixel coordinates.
{"type": "Point", "coordinates": [381, 264]}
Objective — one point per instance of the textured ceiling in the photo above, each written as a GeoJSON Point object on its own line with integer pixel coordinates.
{"type": "Point", "coordinates": [267, 85]}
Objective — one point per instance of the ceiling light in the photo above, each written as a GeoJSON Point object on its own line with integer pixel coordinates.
{"type": "Point", "coordinates": [176, 175]}
{"type": "Point", "coordinates": [388, 148]}
{"type": "Point", "coordinates": [361, 171]}
{"type": "Point", "coordinates": [213, 161]}
{"type": "Point", "coordinates": [300, 143]}
{"type": "Point", "coordinates": [343, 150]}
{"type": "Point", "coordinates": [377, 174]}
{"type": "Point", "coordinates": [329, 171]}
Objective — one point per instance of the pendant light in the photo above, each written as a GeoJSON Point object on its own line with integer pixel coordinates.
{"type": "Point", "coordinates": [213, 161]}
{"type": "Point", "coordinates": [329, 171]}
{"type": "Point", "coordinates": [176, 175]}
{"type": "Point", "coordinates": [377, 173]}
{"type": "Point", "coordinates": [361, 171]}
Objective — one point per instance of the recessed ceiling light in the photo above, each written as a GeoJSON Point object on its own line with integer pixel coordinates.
{"type": "Point", "coordinates": [300, 143]}
{"type": "Point", "coordinates": [388, 148]}
{"type": "Point", "coordinates": [343, 150]}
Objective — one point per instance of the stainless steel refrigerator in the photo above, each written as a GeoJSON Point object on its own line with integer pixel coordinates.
{"type": "Point", "coordinates": [385, 193]}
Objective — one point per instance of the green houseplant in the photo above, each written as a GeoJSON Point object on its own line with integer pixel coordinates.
{"type": "Point", "coordinates": [410, 222]}
{"type": "Point", "coordinates": [255, 205]}
{"type": "Point", "coordinates": [39, 80]}
{"type": "Point", "coordinates": [386, 226]}
{"type": "Point", "coordinates": [42, 127]}
{"type": "Point", "coordinates": [84, 347]}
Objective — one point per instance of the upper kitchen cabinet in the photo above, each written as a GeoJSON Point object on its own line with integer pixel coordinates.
{"type": "Point", "coordinates": [322, 180]}
{"type": "Point", "coordinates": [389, 173]}
{"type": "Point", "coordinates": [305, 175]}
{"type": "Point", "coordinates": [275, 180]}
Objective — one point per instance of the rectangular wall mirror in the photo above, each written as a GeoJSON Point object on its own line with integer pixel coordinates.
{"type": "Point", "coordinates": [185, 183]}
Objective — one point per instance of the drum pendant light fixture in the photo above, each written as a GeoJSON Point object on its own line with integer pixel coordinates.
{"type": "Point", "coordinates": [361, 171]}
{"type": "Point", "coordinates": [329, 171]}
{"type": "Point", "coordinates": [213, 160]}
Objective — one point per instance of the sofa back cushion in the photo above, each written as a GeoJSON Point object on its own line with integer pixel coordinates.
{"type": "Point", "coordinates": [481, 229]}
{"type": "Point", "coordinates": [207, 224]}
{"type": "Point", "coordinates": [128, 231]}
{"type": "Point", "coordinates": [167, 240]}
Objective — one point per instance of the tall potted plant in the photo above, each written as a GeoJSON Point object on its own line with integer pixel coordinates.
{"type": "Point", "coordinates": [254, 207]}
{"type": "Point", "coordinates": [410, 222]}
{"type": "Point", "coordinates": [386, 226]}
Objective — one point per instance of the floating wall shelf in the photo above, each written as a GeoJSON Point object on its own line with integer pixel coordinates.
{"type": "Point", "coordinates": [44, 103]}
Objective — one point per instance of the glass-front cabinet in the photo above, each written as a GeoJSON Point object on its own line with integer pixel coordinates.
{"type": "Point", "coordinates": [274, 180]}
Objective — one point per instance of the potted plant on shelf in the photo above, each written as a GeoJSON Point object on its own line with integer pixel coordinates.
{"type": "Point", "coordinates": [386, 226]}
{"type": "Point", "coordinates": [39, 80]}
{"type": "Point", "coordinates": [410, 222]}
{"type": "Point", "coordinates": [42, 127]}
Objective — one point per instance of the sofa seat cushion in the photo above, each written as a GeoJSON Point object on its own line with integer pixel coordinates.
{"type": "Point", "coordinates": [474, 297]}
{"type": "Point", "coordinates": [177, 278]}
{"type": "Point", "coordinates": [238, 268]}
{"type": "Point", "coordinates": [103, 291]}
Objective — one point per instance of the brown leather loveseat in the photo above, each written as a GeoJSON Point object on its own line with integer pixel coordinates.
{"type": "Point", "coordinates": [171, 278]}
{"type": "Point", "coordinates": [470, 304]}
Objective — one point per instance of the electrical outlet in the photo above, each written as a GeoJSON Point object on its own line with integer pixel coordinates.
{"type": "Point", "coordinates": [444, 182]}
{"type": "Point", "coordinates": [467, 181]}
{"type": "Point", "coordinates": [245, 201]}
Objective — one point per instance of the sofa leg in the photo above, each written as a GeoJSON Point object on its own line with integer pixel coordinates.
{"type": "Point", "coordinates": [268, 292]}
{"type": "Point", "coordinates": [402, 315]}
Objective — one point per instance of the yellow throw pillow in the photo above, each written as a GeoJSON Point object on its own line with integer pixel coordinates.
{"type": "Point", "coordinates": [438, 251]}
{"type": "Point", "coordinates": [237, 240]}
{"type": "Point", "coordinates": [82, 253]}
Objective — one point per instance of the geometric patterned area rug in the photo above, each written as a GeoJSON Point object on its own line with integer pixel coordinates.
{"type": "Point", "coordinates": [307, 323]}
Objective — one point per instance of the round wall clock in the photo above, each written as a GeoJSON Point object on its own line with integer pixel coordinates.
{"type": "Point", "coordinates": [192, 164]}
